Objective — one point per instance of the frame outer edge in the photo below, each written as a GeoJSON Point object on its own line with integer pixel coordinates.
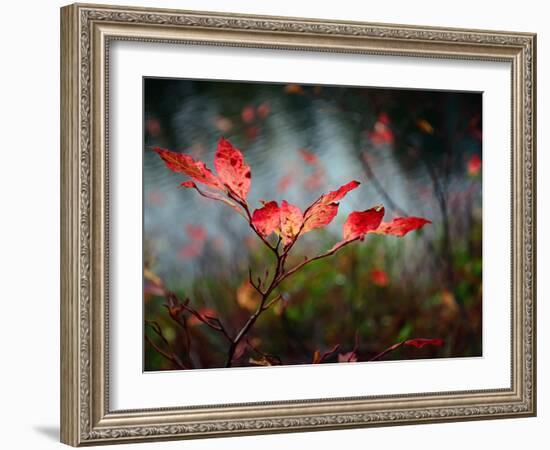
{"type": "Point", "coordinates": [81, 413]}
{"type": "Point", "coordinates": [70, 299]}
{"type": "Point", "coordinates": [533, 137]}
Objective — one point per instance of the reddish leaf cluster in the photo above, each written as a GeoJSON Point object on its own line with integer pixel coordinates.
{"type": "Point", "coordinates": [233, 173]}
{"type": "Point", "coordinates": [232, 184]}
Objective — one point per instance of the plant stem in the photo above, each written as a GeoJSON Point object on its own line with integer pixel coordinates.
{"type": "Point", "coordinates": [388, 350]}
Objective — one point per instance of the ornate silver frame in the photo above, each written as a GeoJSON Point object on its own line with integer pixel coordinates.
{"type": "Point", "coordinates": [86, 31]}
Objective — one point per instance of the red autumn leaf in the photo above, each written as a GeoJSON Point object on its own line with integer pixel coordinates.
{"type": "Point", "coordinates": [248, 114]}
{"type": "Point", "coordinates": [308, 157]}
{"type": "Point", "coordinates": [319, 216]}
{"type": "Point", "coordinates": [266, 219]}
{"type": "Point", "coordinates": [321, 213]}
{"type": "Point", "coordinates": [400, 226]}
{"type": "Point", "coordinates": [382, 133]}
{"type": "Point", "coordinates": [360, 223]}
{"type": "Point", "coordinates": [182, 163]}
{"type": "Point", "coordinates": [474, 165]}
{"type": "Point", "coordinates": [291, 222]}
{"type": "Point", "coordinates": [263, 110]}
{"type": "Point", "coordinates": [339, 193]}
{"type": "Point", "coordinates": [232, 168]}
{"type": "Point", "coordinates": [195, 232]}
{"type": "Point", "coordinates": [379, 277]}
{"type": "Point", "coordinates": [189, 184]}
{"type": "Point", "coordinates": [422, 342]}
{"type": "Point", "coordinates": [284, 182]}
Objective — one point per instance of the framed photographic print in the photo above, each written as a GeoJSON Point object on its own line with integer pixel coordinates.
{"type": "Point", "coordinates": [275, 224]}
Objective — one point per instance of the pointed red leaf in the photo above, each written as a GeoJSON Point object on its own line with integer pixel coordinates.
{"type": "Point", "coordinates": [340, 193]}
{"type": "Point", "coordinates": [360, 223]}
{"type": "Point", "coordinates": [188, 184]}
{"type": "Point", "coordinates": [422, 342]}
{"type": "Point", "coordinates": [291, 222]}
{"type": "Point", "coordinates": [400, 226]}
{"type": "Point", "coordinates": [232, 168]}
{"type": "Point", "coordinates": [182, 163]}
{"type": "Point", "coordinates": [319, 216]}
{"type": "Point", "coordinates": [379, 277]}
{"type": "Point", "coordinates": [266, 219]}
{"type": "Point", "coordinates": [308, 157]}
{"type": "Point", "coordinates": [325, 209]}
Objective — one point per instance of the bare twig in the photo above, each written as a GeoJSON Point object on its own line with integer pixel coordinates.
{"type": "Point", "coordinates": [257, 287]}
{"type": "Point", "coordinates": [174, 303]}
{"type": "Point", "coordinates": [329, 353]}
{"type": "Point", "coordinates": [272, 302]}
{"type": "Point", "coordinates": [388, 350]}
{"type": "Point", "coordinates": [267, 356]}
{"type": "Point", "coordinates": [307, 261]}
{"type": "Point", "coordinates": [169, 355]}
{"type": "Point", "coordinates": [380, 189]}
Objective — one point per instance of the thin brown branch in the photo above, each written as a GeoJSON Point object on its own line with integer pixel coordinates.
{"type": "Point", "coordinates": [267, 356]}
{"type": "Point", "coordinates": [379, 188]}
{"type": "Point", "coordinates": [212, 322]}
{"type": "Point", "coordinates": [261, 307]}
{"type": "Point", "coordinates": [257, 287]}
{"type": "Point", "coordinates": [246, 209]}
{"type": "Point", "coordinates": [388, 350]}
{"type": "Point", "coordinates": [272, 302]}
{"type": "Point", "coordinates": [307, 261]}
{"type": "Point", "coordinates": [219, 198]}
{"type": "Point", "coordinates": [169, 355]}
{"type": "Point", "coordinates": [329, 353]}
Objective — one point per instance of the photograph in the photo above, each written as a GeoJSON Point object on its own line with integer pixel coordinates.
{"type": "Point", "coordinates": [296, 224]}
